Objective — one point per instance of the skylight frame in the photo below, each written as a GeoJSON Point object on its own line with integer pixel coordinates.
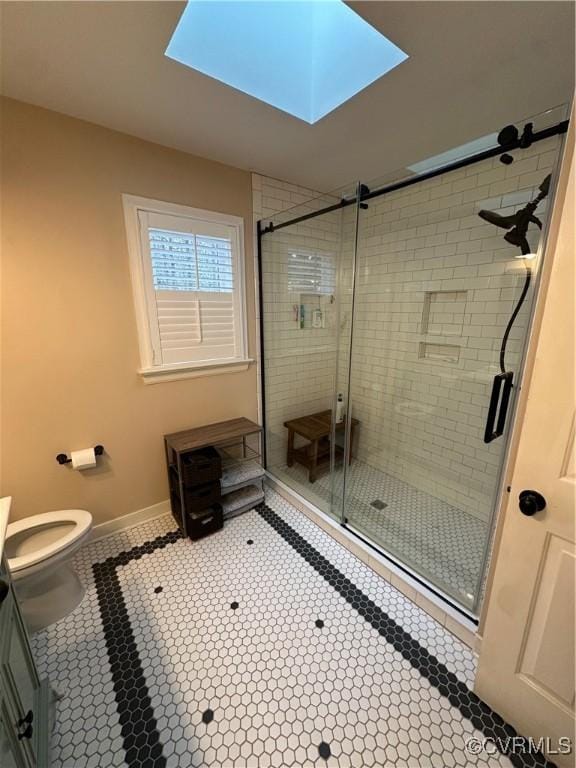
{"type": "Point", "coordinates": [304, 57]}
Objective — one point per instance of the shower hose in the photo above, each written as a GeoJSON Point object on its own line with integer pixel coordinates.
{"type": "Point", "coordinates": [513, 317]}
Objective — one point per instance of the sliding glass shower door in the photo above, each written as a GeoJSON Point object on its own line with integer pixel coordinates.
{"type": "Point", "coordinates": [394, 320]}
{"type": "Point", "coordinates": [307, 269]}
{"type": "Point", "coordinates": [431, 377]}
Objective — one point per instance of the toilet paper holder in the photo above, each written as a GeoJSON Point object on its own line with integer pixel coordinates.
{"type": "Point", "coordinates": [63, 459]}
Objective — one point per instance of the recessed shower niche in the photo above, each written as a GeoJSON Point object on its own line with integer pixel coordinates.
{"type": "Point", "coordinates": [439, 353]}
{"type": "Point", "coordinates": [312, 310]}
{"type": "Point", "coordinates": [443, 313]}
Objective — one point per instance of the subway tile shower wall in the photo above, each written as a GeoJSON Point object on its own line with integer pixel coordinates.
{"type": "Point", "coordinates": [300, 363]}
{"type": "Point", "coordinates": [435, 286]}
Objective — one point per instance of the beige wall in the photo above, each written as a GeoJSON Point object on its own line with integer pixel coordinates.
{"type": "Point", "coordinates": [69, 340]}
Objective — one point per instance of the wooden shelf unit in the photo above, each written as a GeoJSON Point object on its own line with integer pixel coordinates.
{"type": "Point", "coordinates": [238, 441]}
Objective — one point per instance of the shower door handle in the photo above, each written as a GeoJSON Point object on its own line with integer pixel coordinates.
{"type": "Point", "coordinates": [498, 408]}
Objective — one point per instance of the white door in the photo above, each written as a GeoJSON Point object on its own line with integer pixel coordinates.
{"type": "Point", "coordinates": [526, 667]}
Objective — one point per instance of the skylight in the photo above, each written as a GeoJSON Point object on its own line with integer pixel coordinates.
{"type": "Point", "coordinates": [456, 153]}
{"type": "Point", "coordinates": [305, 57]}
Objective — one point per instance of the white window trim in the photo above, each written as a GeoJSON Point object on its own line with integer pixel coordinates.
{"type": "Point", "coordinates": [169, 372]}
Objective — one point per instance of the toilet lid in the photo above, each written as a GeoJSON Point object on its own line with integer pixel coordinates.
{"type": "Point", "coordinates": [75, 523]}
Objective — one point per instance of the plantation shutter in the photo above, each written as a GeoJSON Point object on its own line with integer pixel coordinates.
{"type": "Point", "coordinates": [192, 289]}
{"type": "Point", "coordinates": [311, 272]}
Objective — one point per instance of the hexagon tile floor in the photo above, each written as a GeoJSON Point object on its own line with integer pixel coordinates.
{"type": "Point", "coordinates": [265, 644]}
{"type": "Point", "coordinates": [445, 544]}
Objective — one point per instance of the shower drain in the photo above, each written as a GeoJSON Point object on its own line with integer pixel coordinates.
{"type": "Point", "coordinates": [378, 504]}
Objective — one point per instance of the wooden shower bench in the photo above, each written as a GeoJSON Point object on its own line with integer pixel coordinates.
{"type": "Point", "coordinates": [316, 428]}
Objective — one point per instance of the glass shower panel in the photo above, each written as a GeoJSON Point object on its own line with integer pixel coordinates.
{"type": "Point", "coordinates": [435, 287]}
{"type": "Point", "coordinates": [306, 261]}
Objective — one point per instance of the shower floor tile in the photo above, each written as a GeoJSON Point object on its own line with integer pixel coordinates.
{"type": "Point", "coordinates": [265, 644]}
{"type": "Point", "coordinates": [441, 542]}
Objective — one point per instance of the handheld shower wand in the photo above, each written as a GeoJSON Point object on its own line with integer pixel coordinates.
{"type": "Point", "coordinates": [517, 225]}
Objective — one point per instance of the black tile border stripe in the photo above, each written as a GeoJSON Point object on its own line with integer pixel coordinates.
{"type": "Point", "coordinates": [470, 706]}
{"type": "Point", "coordinates": [140, 735]}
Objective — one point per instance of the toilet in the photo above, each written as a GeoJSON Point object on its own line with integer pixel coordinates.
{"type": "Point", "coordinates": [37, 549]}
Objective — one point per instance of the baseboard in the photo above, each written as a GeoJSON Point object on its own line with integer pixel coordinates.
{"type": "Point", "coordinates": [138, 517]}
{"type": "Point", "coordinates": [436, 607]}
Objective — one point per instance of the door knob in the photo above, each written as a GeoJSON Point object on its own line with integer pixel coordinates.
{"type": "Point", "coordinates": [531, 502]}
{"type": "Point", "coordinates": [27, 721]}
{"type": "Point", "coordinates": [26, 733]}
{"type": "Point", "coordinates": [28, 718]}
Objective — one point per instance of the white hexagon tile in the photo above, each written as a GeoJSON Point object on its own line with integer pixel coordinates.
{"type": "Point", "coordinates": [265, 644]}
{"type": "Point", "coordinates": [443, 542]}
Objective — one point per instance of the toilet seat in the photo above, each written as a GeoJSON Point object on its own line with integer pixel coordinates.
{"type": "Point", "coordinates": [80, 518]}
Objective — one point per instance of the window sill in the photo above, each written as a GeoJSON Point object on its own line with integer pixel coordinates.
{"type": "Point", "coordinates": [176, 372]}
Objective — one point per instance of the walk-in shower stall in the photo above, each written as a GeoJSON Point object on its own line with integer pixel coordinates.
{"type": "Point", "coordinates": [388, 392]}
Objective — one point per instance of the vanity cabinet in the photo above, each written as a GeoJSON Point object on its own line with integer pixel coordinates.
{"type": "Point", "coordinates": [8, 749]}
{"type": "Point", "coordinates": [24, 699]}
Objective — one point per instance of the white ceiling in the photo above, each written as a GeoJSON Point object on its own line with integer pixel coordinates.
{"type": "Point", "coordinates": [473, 67]}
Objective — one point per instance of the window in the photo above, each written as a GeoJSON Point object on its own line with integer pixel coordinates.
{"type": "Point", "coordinates": [188, 277]}
{"type": "Point", "coordinates": [311, 272]}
